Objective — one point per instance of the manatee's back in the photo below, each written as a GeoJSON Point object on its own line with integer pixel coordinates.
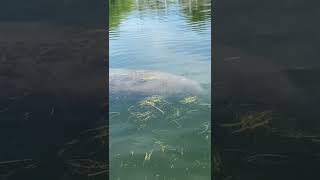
{"type": "Point", "coordinates": [151, 83]}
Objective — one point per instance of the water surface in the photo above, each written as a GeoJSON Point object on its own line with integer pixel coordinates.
{"type": "Point", "coordinates": [156, 137]}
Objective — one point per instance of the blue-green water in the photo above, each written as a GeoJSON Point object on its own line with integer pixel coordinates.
{"type": "Point", "coordinates": [171, 36]}
{"type": "Point", "coordinates": [161, 137]}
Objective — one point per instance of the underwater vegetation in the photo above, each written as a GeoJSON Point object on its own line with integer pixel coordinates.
{"type": "Point", "coordinates": [255, 147]}
{"type": "Point", "coordinates": [170, 138]}
{"type": "Point", "coordinates": [35, 118]}
{"type": "Point", "coordinates": [8, 168]}
{"type": "Point", "coordinates": [156, 108]}
{"type": "Point", "coordinates": [167, 139]}
{"type": "Point", "coordinates": [162, 129]}
{"type": "Point", "coordinates": [84, 156]}
{"type": "Point", "coordinates": [250, 121]}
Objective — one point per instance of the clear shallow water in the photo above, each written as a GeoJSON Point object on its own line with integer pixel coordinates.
{"type": "Point", "coordinates": [171, 36]}
{"type": "Point", "coordinates": [158, 137]}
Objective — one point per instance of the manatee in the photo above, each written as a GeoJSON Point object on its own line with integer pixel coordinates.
{"type": "Point", "coordinates": [148, 82]}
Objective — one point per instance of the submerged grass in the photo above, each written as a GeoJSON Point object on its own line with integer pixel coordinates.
{"type": "Point", "coordinates": [175, 141]}
{"type": "Point", "coordinates": [146, 143]}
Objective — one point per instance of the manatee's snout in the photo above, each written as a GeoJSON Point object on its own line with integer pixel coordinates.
{"type": "Point", "coordinates": [191, 87]}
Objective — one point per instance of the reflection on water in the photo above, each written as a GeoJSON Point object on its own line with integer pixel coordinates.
{"type": "Point", "coordinates": [158, 136]}
{"type": "Point", "coordinates": [164, 36]}
{"type": "Point", "coordinates": [118, 9]}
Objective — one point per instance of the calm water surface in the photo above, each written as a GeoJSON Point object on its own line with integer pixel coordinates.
{"type": "Point", "coordinates": [171, 36]}
{"type": "Point", "coordinates": [156, 137]}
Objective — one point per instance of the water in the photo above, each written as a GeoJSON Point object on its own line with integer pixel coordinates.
{"type": "Point", "coordinates": [164, 36]}
{"type": "Point", "coordinates": [161, 137]}
{"type": "Point", "coordinates": [267, 54]}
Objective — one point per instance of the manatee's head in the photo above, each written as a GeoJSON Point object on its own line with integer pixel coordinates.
{"type": "Point", "coordinates": [166, 84]}
{"type": "Point", "coordinates": [183, 86]}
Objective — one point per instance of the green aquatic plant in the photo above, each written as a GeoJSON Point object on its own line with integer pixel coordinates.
{"type": "Point", "coordinates": [95, 136]}
{"type": "Point", "coordinates": [205, 130]}
{"type": "Point", "coordinates": [297, 134]}
{"type": "Point", "coordinates": [83, 154]}
{"type": "Point", "coordinates": [161, 145]}
{"type": "Point", "coordinates": [148, 155]}
{"type": "Point", "coordinates": [189, 100]}
{"type": "Point", "coordinates": [87, 167]}
{"type": "Point", "coordinates": [270, 158]}
{"type": "Point", "coordinates": [153, 101]}
{"type": "Point", "coordinates": [157, 109]}
{"type": "Point", "coordinates": [142, 119]}
{"type": "Point", "coordinates": [251, 121]}
{"type": "Point", "coordinates": [147, 110]}
{"type": "Point", "coordinates": [113, 115]}
{"type": "Point", "coordinates": [12, 167]}
{"type": "Point", "coordinates": [174, 132]}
